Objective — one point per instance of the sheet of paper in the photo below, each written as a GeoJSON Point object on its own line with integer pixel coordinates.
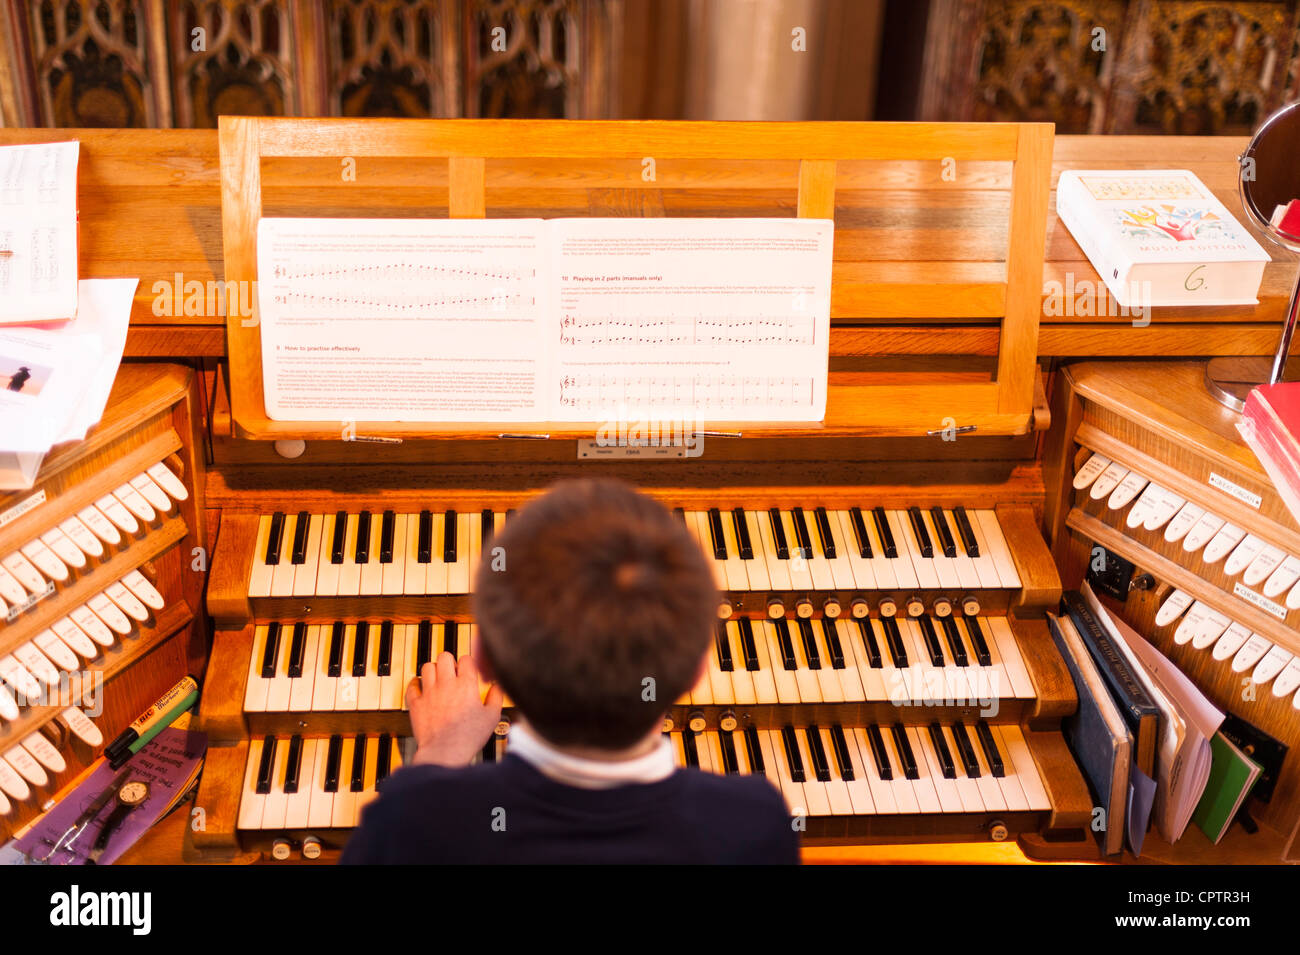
{"type": "Point", "coordinates": [1141, 799]}
{"type": "Point", "coordinates": [38, 228]}
{"type": "Point", "coordinates": [401, 319]}
{"type": "Point", "coordinates": [54, 382]}
{"type": "Point", "coordinates": [691, 319]}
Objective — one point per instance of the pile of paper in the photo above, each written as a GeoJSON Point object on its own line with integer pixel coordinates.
{"type": "Point", "coordinates": [54, 382]}
{"type": "Point", "coordinates": [1270, 424]}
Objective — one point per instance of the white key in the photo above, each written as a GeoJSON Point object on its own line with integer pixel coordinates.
{"type": "Point", "coordinates": [828, 680]}
{"type": "Point", "coordinates": [801, 577]}
{"type": "Point", "coordinates": [392, 688]}
{"type": "Point", "coordinates": [787, 688]}
{"type": "Point", "coordinates": [368, 684]}
{"type": "Point", "coordinates": [43, 751]}
{"type": "Point", "coordinates": [1022, 686]}
{"type": "Point", "coordinates": [435, 581]}
{"type": "Point", "coordinates": [1183, 522]}
{"type": "Point", "coordinates": [280, 686]}
{"type": "Point", "coordinates": [1107, 481]}
{"type": "Point", "coordinates": [923, 787]}
{"type": "Point", "coordinates": [82, 727]}
{"type": "Point", "coordinates": [151, 492]}
{"type": "Point", "coordinates": [134, 502]}
{"type": "Point", "coordinates": [64, 548]}
{"type": "Point", "coordinates": [945, 567]}
{"type": "Point", "coordinates": [759, 576]}
{"type": "Point", "coordinates": [327, 572]}
{"type": "Point", "coordinates": [302, 688]}
{"type": "Point", "coordinates": [843, 570]}
{"type": "Point", "coordinates": [458, 573]}
{"type": "Point", "coordinates": [81, 624]}
{"type": "Point", "coordinates": [306, 574]}
{"type": "Point", "coordinates": [764, 680]}
{"type": "Point", "coordinates": [260, 574]}
{"type": "Point", "coordinates": [256, 686]}
{"type": "Point", "coordinates": [277, 799]}
{"type": "Point", "coordinates": [10, 589]}
{"type": "Point", "coordinates": [1286, 575]}
{"type": "Point", "coordinates": [990, 791]}
{"type": "Point", "coordinates": [98, 523]}
{"type": "Point", "coordinates": [1262, 567]}
{"type": "Point", "coordinates": [45, 560]}
{"type": "Point", "coordinates": [350, 570]}
{"type": "Point", "coordinates": [368, 791]}
{"type": "Point", "coordinates": [1232, 640]}
{"type": "Point", "coordinates": [859, 788]}
{"type": "Point", "coordinates": [395, 570]}
{"type": "Point", "coordinates": [126, 602]}
{"type": "Point", "coordinates": [345, 696]}
{"type": "Point", "coordinates": [1242, 555]}
{"type": "Point", "coordinates": [144, 591]}
{"type": "Point", "coordinates": [778, 772]}
{"type": "Point", "coordinates": [113, 509]}
{"type": "Point", "coordinates": [881, 566]}
{"type": "Point", "coordinates": [26, 687]}
{"type": "Point", "coordinates": [345, 800]}
{"type": "Point", "coordinates": [104, 609]}
{"type": "Point", "coordinates": [1251, 652]}
{"type": "Point", "coordinates": [250, 800]}
{"type": "Point", "coordinates": [1203, 532]}
{"type": "Point", "coordinates": [324, 686]}
{"type": "Point", "coordinates": [25, 574]}
{"type": "Point", "coordinates": [837, 789]}
{"type": "Point", "coordinates": [927, 761]}
{"type": "Point", "coordinates": [283, 572]}
{"type": "Point", "coordinates": [697, 524]}
{"type": "Point", "coordinates": [904, 569]}
{"type": "Point", "coordinates": [297, 806]}
{"type": "Point", "coordinates": [852, 687]}
{"type": "Point", "coordinates": [882, 793]}
{"type": "Point", "coordinates": [1013, 742]}
{"type": "Point", "coordinates": [1126, 490]}
{"type": "Point", "coordinates": [904, 795]}
{"type": "Point", "coordinates": [719, 680]}
{"type": "Point", "coordinates": [735, 569]}
{"type": "Point", "coordinates": [320, 810]}
{"type": "Point", "coordinates": [1274, 662]}
{"type": "Point", "coordinates": [72, 638]}
{"type": "Point", "coordinates": [372, 571]}
{"type": "Point", "coordinates": [1228, 537]}
{"type": "Point", "coordinates": [416, 573]}
{"type": "Point", "coordinates": [1090, 470]}
{"type": "Point", "coordinates": [169, 482]}
{"type": "Point", "coordinates": [967, 789]}
{"type": "Point", "coordinates": [1165, 505]}
{"type": "Point", "coordinates": [991, 531]}
{"type": "Point", "coordinates": [1173, 607]}
{"type": "Point", "coordinates": [11, 783]}
{"type": "Point", "coordinates": [815, 791]}
{"type": "Point", "coordinates": [1288, 680]}
{"type": "Point", "coordinates": [27, 767]}
{"type": "Point", "coordinates": [1012, 792]}
{"type": "Point", "coordinates": [926, 575]}
{"type": "Point", "coordinates": [38, 664]}
{"type": "Point", "coordinates": [742, 680]}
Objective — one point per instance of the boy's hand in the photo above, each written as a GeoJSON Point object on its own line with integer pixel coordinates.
{"type": "Point", "coordinates": [449, 721]}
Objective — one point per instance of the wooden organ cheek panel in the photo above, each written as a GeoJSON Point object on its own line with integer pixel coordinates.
{"type": "Point", "coordinates": [102, 585]}
{"type": "Point", "coordinates": [1149, 467]}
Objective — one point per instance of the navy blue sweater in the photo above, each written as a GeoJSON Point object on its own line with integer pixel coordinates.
{"type": "Point", "coordinates": [508, 812]}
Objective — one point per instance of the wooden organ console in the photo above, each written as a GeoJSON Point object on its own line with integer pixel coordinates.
{"type": "Point", "coordinates": [103, 571]}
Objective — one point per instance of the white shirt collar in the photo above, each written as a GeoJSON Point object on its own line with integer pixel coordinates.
{"type": "Point", "coordinates": [587, 773]}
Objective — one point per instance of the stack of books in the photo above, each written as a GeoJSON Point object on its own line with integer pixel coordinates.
{"type": "Point", "coordinates": [1270, 424]}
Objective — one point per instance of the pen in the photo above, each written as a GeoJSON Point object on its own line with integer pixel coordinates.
{"type": "Point", "coordinates": [152, 721]}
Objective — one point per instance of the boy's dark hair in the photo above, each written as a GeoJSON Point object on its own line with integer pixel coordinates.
{"type": "Point", "coordinates": [602, 590]}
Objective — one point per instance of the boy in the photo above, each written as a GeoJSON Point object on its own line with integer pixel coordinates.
{"type": "Point", "coordinates": [598, 622]}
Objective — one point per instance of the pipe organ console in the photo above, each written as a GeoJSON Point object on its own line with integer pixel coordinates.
{"type": "Point", "coordinates": [99, 587]}
{"type": "Point", "coordinates": [1155, 483]}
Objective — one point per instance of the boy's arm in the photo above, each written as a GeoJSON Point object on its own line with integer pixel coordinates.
{"type": "Point", "coordinates": [449, 721]}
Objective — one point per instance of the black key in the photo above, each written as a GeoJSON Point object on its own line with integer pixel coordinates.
{"type": "Point", "coordinates": [449, 537]}
{"type": "Point", "coordinates": [918, 530]}
{"type": "Point", "coordinates": [729, 762]}
{"type": "Point", "coordinates": [793, 759]}
{"type": "Point", "coordinates": [385, 664]}
{"type": "Point", "coordinates": [879, 753]}
{"type": "Point", "coordinates": [895, 641]}
{"type": "Point", "coordinates": [788, 659]}
{"type": "Point", "coordinates": [810, 645]}
{"type": "Point", "coordinates": [941, 750]}
{"type": "Point", "coordinates": [801, 535]}
{"type": "Point", "coordinates": [932, 645]}
{"type": "Point", "coordinates": [754, 750]}
{"type": "Point", "coordinates": [956, 649]}
{"type": "Point", "coordinates": [510, 513]}
{"type": "Point", "coordinates": [778, 534]}
{"type": "Point", "coordinates": [293, 765]}
{"type": "Point", "coordinates": [487, 523]}
{"type": "Point", "coordinates": [680, 514]}
{"type": "Point", "coordinates": [722, 645]}
{"type": "Point", "coordinates": [358, 776]}
{"type": "Point", "coordinates": [817, 753]}
{"type": "Point", "coordinates": [387, 527]}
{"type": "Point", "coordinates": [688, 744]}
{"type": "Point", "coordinates": [843, 760]}
{"type": "Point", "coordinates": [862, 538]}
{"type": "Point", "coordinates": [384, 762]}
{"type": "Point", "coordinates": [715, 534]}
{"type": "Point", "coordinates": [886, 535]}
{"type": "Point", "coordinates": [300, 538]}
{"type": "Point", "coordinates": [741, 527]}
{"type": "Point", "coordinates": [423, 645]}
{"type": "Point", "coordinates": [966, 531]}
{"type": "Point", "coordinates": [747, 646]}
{"type": "Point", "coordinates": [297, 646]}
{"type": "Point", "coordinates": [831, 638]}
{"type": "Point", "coordinates": [362, 555]}
{"type": "Point", "coordinates": [336, 649]}
{"type": "Point", "coordinates": [359, 648]}
{"type": "Point", "coordinates": [992, 755]}
{"type": "Point", "coordinates": [273, 539]}
{"type": "Point", "coordinates": [450, 633]}
{"type": "Point", "coordinates": [332, 759]}
{"type": "Point", "coordinates": [424, 543]}
{"type": "Point", "coordinates": [869, 642]}
{"type": "Point", "coordinates": [905, 755]}
{"type": "Point", "coordinates": [272, 651]}
{"type": "Point", "coordinates": [825, 532]}
{"type": "Point", "coordinates": [340, 537]}
{"type": "Point", "coordinates": [945, 534]}
{"type": "Point", "coordinates": [265, 766]}
{"type": "Point", "coordinates": [966, 750]}
{"type": "Point", "coordinates": [977, 640]}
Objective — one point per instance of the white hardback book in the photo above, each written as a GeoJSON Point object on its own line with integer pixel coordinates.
{"type": "Point", "coordinates": [1160, 237]}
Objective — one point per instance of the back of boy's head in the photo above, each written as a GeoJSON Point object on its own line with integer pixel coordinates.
{"type": "Point", "coordinates": [599, 614]}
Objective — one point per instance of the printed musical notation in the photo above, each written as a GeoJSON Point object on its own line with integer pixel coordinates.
{"type": "Point", "coordinates": [395, 272]}
{"type": "Point", "coordinates": [685, 395]}
{"type": "Point", "coordinates": [418, 302]}
{"type": "Point", "coordinates": [676, 331]}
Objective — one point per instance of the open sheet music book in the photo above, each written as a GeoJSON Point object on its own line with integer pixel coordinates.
{"type": "Point", "coordinates": [531, 320]}
{"type": "Point", "coordinates": [38, 232]}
